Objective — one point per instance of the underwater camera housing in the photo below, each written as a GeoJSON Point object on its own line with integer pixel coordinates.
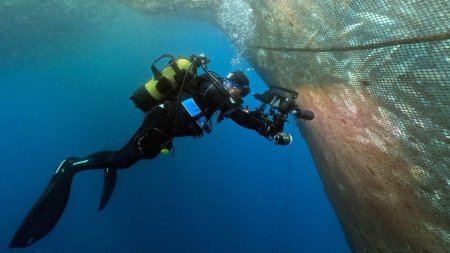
{"type": "Point", "coordinates": [281, 102]}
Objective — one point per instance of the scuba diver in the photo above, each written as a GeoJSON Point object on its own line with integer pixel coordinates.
{"type": "Point", "coordinates": [177, 102]}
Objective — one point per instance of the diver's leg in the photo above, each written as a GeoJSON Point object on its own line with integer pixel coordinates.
{"type": "Point", "coordinates": [121, 159]}
{"type": "Point", "coordinates": [44, 215]}
{"type": "Point", "coordinates": [146, 143]}
{"type": "Point", "coordinates": [46, 212]}
{"type": "Point", "coordinates": [109, 184]}
{"type": "Point", "coordinates": [149, 146]}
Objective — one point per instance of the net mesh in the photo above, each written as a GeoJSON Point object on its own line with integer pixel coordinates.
{"type": "Point", "coordinates": [376, 74]}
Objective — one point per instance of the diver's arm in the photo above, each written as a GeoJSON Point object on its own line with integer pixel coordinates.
{"type": "Point", "coordinates": [251, 119]}
{"type": "Point", "coordinates": [232, 109]}
{"type": "Point", "coordinates": [247, 119]}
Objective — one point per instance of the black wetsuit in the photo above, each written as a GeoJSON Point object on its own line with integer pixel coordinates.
{"type": "Point", "coordinates": [161, 124]}
{"type": "Point", "coordinates": [158, 128]}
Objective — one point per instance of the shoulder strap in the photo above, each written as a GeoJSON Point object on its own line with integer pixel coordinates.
{"type": "Point", "coordinates": [156, 71]}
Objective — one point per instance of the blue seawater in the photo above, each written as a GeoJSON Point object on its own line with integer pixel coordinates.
{"type": "Point", "coordinates": [229, 191]}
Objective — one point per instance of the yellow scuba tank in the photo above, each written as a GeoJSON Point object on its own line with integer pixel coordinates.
{"type": "Point", "coordinates": [165, 83]}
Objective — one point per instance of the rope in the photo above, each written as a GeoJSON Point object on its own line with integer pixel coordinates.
{"type": "Point", "coordinates": [286, 199]}
{"type": "Point", "coordinates": [406, 41]}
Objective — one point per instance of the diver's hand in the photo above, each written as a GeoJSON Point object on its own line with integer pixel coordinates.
{"type": "Point", "coordinates": [267, 129]}
{"type": "Point", "coordinates": [264, 123]}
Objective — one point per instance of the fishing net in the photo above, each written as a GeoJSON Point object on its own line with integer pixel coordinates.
{"type": "Point", "coordinates": [376, 73]}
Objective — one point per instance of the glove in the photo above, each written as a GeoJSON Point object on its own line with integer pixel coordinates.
{"type": "Point", "coordinates": [267, 129]}
{"type": "Point", "coordinates": [264, 123]}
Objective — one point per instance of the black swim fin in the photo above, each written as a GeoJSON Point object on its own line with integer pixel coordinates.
{"type": "Point", "coordinates": [44, 215]}
{"type": "Point", "coordinates": [109, 184]}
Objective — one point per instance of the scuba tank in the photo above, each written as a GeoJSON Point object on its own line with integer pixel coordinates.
{"type": "Point", "coordinates": [165, 84]}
